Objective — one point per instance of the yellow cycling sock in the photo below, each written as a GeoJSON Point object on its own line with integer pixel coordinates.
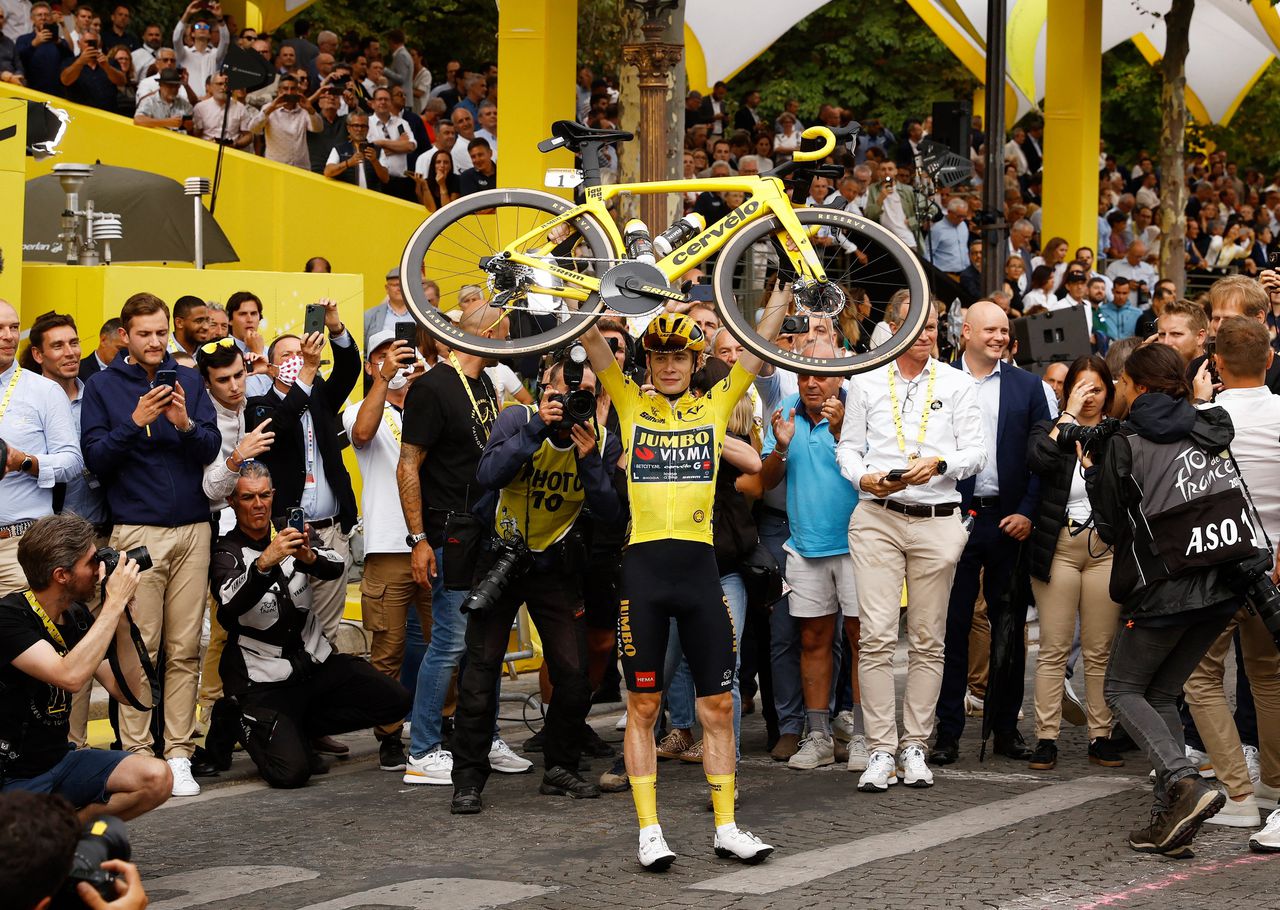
{"type": "Point", "coordinates": [722, 797]}
{"type": "Point", "coordinates": [644, 790]}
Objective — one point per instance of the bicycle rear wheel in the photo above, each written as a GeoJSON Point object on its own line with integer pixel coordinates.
{"type": "Point", "coordinates": [458, 250]}
{"type": "Point", "coordinates": [756, 257]}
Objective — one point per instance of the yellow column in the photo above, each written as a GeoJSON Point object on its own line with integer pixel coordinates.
{"type": "Point", "coordinates": [13, 173]}
{"type": "Point", "coordinates": [1073, 98]}
{"type": "Point", "coordinates": [247, 13]}
{"type": "Point", "coordinates": [537, 55]}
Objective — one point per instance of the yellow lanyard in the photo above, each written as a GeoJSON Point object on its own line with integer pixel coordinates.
{"type": "Point", "coordinates": [44, 617]}
{"type": "Point", "coordinates": [924, 415]}
{"type": "Point", "coordinates": [475, 405]}
{"type": "Point", "coordinates": [8, 393]}
{"type": "Point", "coordinates": [391, 423]}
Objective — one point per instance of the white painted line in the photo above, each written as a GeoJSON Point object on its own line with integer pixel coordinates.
{"type": "Point", "coordinates": [219, 883]}
{"type": "Point", "coordinates": [788, 871]}
{"type": "Point", "coordinates": [438, 894]}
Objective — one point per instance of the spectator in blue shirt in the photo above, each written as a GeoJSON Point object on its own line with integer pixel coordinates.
{"type": "Point", "coordinates": [948, 242]}
{"type": "Point", "coordinates": [801, 447]}
{"type": "Point", "coordinates": [1119, 315]}
{"type": "Point", "coordinates": [42, 54]}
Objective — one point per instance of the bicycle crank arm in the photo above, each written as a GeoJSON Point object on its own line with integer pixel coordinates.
{"type": "Point", "coordinates": [637, 289]}
{"type": "Point", "coordinates": [649, 290]}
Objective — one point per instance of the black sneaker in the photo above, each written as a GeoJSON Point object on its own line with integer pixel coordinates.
{"type": "Point", "coordinates": [391, 754]}
{"type": "Point", "coordinates": [594, 746]}
{"type": "Point", "coordinates": [615, 780]}
{"type": "Point", "coordinates": [534, 742]}
{"type": "Point", "coordinates": [1103, 752]}
{"type": "Point", "coordinates": [558, 781]}
{"type": "Point", "coordinates": [1045, 755]}
{"type": "Point", "coordinates": [466, 801]}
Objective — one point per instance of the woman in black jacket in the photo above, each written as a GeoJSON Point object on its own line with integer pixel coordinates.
{"type": "Point", "coordinates": [1070, 571]}
{"type": "Point", "coordinates": [1166, 482]}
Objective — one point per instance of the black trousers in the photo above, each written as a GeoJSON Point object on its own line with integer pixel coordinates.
{"type": "Point", "coordinates": [994, 554]}
{"type": "Point", "coordinates": [342, 694]}
{"type": "Point", "coordinates": [554, 599]}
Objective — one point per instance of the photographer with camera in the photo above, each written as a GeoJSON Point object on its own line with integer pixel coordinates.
{"type": "Point", "coordinates": [1070, 568]}
{"type": "Point", "coordinates": [293, 687]}
{"type": "Point", "coordinates": [50, 648]}
{"type": "Point", "coordinates": [148, 429]}
{"type": "Point", "coordinates": [1168, 499]}
{"type": "Point", "coordinates": [53, 861]}
{"type": "Point", "coordinates": [87, 78]}
{"type": "Point", "coordinates": [1242, 356]}
{"type": "Point", "coordinates": [545, 464]}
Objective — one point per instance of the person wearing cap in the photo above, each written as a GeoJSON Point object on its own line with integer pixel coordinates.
{"type": "Point", "coordinates": [388, 588]}
{"type": "Point", "coordinates": [167, 108]}
{"type": "Point", "coordinates": [1074, 285]}
{"type": "Point", "coordinates": [201, 59]}
{"type": "Point", "coordinates": [673, 443]}
{"type": "Point", "coordinates": [392, 309]}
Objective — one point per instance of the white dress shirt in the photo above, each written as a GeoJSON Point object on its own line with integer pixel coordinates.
{"type": "Point", "coordinates": [987, 482]}
{"type": "Point", "coordinates": [37, 420]}
{"type": "Point", "coordinates": [1064, 303]}
{"type": "Point", "coordinates": [394, 128]}
{"type": "Point", "coordinates": [200, 65]}
{"type": "Point", "coordinates": [955, 434]}
{"type": "Point", "coordinates": [1255, 414]}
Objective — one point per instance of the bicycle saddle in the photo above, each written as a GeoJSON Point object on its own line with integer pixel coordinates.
{"type": "Point", "coordinates": [573, 135]}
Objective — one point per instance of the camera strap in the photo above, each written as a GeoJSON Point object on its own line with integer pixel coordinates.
{"type": "Point", "coordinates": [144, 659]}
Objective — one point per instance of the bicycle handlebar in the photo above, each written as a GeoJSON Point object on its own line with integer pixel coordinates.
{"type": "Point", "coordinates": [831, 139]}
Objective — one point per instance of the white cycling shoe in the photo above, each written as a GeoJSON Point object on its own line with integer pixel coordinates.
{"type": "Point", "coordinates": [741, 844]}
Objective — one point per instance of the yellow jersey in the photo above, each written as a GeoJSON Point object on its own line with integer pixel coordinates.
{"type": "Point", "coordinates": [672, 454]}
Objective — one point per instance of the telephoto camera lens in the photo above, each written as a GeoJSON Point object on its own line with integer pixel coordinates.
{"type": "Point", "coordinates": [510, 563]}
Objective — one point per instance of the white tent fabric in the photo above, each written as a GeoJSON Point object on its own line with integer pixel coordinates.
{"type": "Point", "coordinates": [732, 33]}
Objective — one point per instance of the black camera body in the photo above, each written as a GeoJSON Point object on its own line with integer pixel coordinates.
{"type": "Point", "coordinates": [103, 839]}
{"type": "Point", "coordinates": [513, 560]}
{"type": "Point", "coordinates": [579, 403]}
{"type": "Point", "coordinates": [795, 325]}
{"type": "Point", "coordinates": [1251, 579]}
{"type": "Point", "coordinates": [111, 558]}
{"type": "Point", "coordinates": [1089, 437]}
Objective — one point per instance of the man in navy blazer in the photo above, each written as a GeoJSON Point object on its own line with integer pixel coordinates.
{"type": "Point", "coordinates": [1003, 497]}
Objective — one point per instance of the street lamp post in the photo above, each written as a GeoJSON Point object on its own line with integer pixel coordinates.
{"type": "Point", "coordinates": [654, 59]}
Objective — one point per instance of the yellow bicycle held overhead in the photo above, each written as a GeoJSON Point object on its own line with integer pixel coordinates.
{"type": "Point", "coordinates": [512, 272]}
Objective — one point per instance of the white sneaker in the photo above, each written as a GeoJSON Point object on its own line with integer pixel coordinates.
{"type": "Point", "coordinates": [183, 783]}
{"type": "Point", "coordinates": [1268, 839]}
{"type": "Point", "coordinates": [622, 722]}
{"type": "Point", "coordinates": [501, 758]}
{"type": "Point", "coordinates": [1252, 762]}
{"type": "Point", "coordinates": [1266, 797]}
{"type": "Point", "coordinates": [1201, 762]}
{"type": "Point", "coordinates": [816, 749]}
{"type": "Point", "coordinates": [842, 727]}
{"type": "Point", "coordinates": [880, 774]}
{"type": "Point", "coordinates": [436, 767]}
{"type": "Point", "coordinates": [654, 854]}
{"type": "Point", "coordinates": [1237, 814]}
{"type": "Point", "coordinates": [912, 768]}
{"type": "Point", "coordinates": [741, 844]}
{"type": "Point", "coordinates": [973, 705]}
{"type": "Point", "coordinates": [858, 753]}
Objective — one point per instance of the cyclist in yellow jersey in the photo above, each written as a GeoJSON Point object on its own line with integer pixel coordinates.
{"type": "Point", "coordinates": [673, 443]}
{"type": "Point", "coordinates": [545, 469]}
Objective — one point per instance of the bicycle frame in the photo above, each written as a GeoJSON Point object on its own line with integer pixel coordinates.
{"type": "Point", "coordinates": [765, 196]}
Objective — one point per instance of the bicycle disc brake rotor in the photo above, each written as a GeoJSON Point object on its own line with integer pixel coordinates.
{"type": "Point", "coordinates": [820, 299]}
{"type": "Point", "coordinates": [620, 288]}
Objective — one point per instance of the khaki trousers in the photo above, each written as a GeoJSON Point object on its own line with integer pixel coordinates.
{"type": "Point", "coordinates": [210, 674]}
{"type": "Point", "coordinates": [169, 607]}
{"type": "Point", "coordinates": [387, 591]}
{"type": "Point", "coordinates": [12, 577]}
{"type": "Point", "coordinates": [1077, 586]}
{"type": "Point", "coordinates": [329, 598]}
{"type": "Point", "coordinates": [886, 547]}
{"type": "Point", "coordinates": [979, 648]}
{"type": "Point", "coordinates": [1208, 703]}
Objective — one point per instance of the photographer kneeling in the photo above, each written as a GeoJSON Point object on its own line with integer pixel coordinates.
{"type": "Point", "coordinates": [50, 648]}
{"type": "Point", "coordinates": [545, 463]}
{"type": "Point", "coordinates": [1168, 498]}
{"type": "Point", "coordinates": [292, 686]}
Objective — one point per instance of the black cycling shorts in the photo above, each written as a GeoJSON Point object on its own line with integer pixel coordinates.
{"type": "Point", "coordinates": [675, 579]}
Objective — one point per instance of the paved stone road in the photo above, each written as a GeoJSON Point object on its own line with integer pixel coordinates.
{"type": "Point", "coordinates": [989, 835]}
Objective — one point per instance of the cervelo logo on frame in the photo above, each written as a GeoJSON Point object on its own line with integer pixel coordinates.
{"type": "Point", "coordinates": [716, 231]}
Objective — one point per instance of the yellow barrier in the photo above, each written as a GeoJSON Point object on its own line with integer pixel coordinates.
{"type": "Point", "coordinates": [276, 216]}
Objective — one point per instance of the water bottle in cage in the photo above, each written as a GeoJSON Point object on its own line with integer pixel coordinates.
{"type": "Point", "coordinates": [639, 243]}
{"type": "Point", "coordinates": [682, 231]}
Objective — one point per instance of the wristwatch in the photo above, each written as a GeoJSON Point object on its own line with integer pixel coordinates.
{"type": "Point", "coordinates": [942, 467]}
{"type": "Point", "coordinates": [25, 467]}
{"type": "Point", "coordinates": [414, 539]}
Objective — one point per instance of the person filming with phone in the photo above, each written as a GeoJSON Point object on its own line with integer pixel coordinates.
{"type": "Point", "coordinates": [50, 648]}
{"type": "Point", "coordinates": [293, 687]}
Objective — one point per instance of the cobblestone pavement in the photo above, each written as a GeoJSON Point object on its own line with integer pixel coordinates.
{"type": "Point", "coordinates": [988, 835]}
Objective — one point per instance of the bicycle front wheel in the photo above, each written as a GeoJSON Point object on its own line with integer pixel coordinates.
{"type": "Point", "coordinates": [453, 266]}
{"type": "Point", "coordinates": [756, 257]}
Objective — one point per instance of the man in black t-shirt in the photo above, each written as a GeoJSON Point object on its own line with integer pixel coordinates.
{"type": "Point", "coordinates": [483, 174]}
{"type": "Point", "coordinates": [447, 416]}
{"type": "Point", "coordinates": [50, 648]}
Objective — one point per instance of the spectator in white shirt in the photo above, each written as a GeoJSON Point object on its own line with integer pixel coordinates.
{"type": "Point", "coordinates": [446, 141]}
{"type": "Point", "coordinates": [207, 122]}
{"type": "Point", "coordinates": [201, 60]}
{"type": "Point", "coordinates": [81, 21]}
{"type": "Point", "coordinates": [286, 121]}
{"type": "Point", "coordinates": [390, 134]}
{"type": "Point", "coordinates": [488, 129]}
{"type": "Point", "coordinates": [166, 59]}
{"type": "Point", "coordinates": [143, 57]}
{"type": "Point", "coordinates": [920, 418]}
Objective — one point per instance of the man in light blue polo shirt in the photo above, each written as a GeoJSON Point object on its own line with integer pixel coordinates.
{"type": "Point", "coordinates": [36, 425]}
{"type": "Point", "coordinates": [801, 446]}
